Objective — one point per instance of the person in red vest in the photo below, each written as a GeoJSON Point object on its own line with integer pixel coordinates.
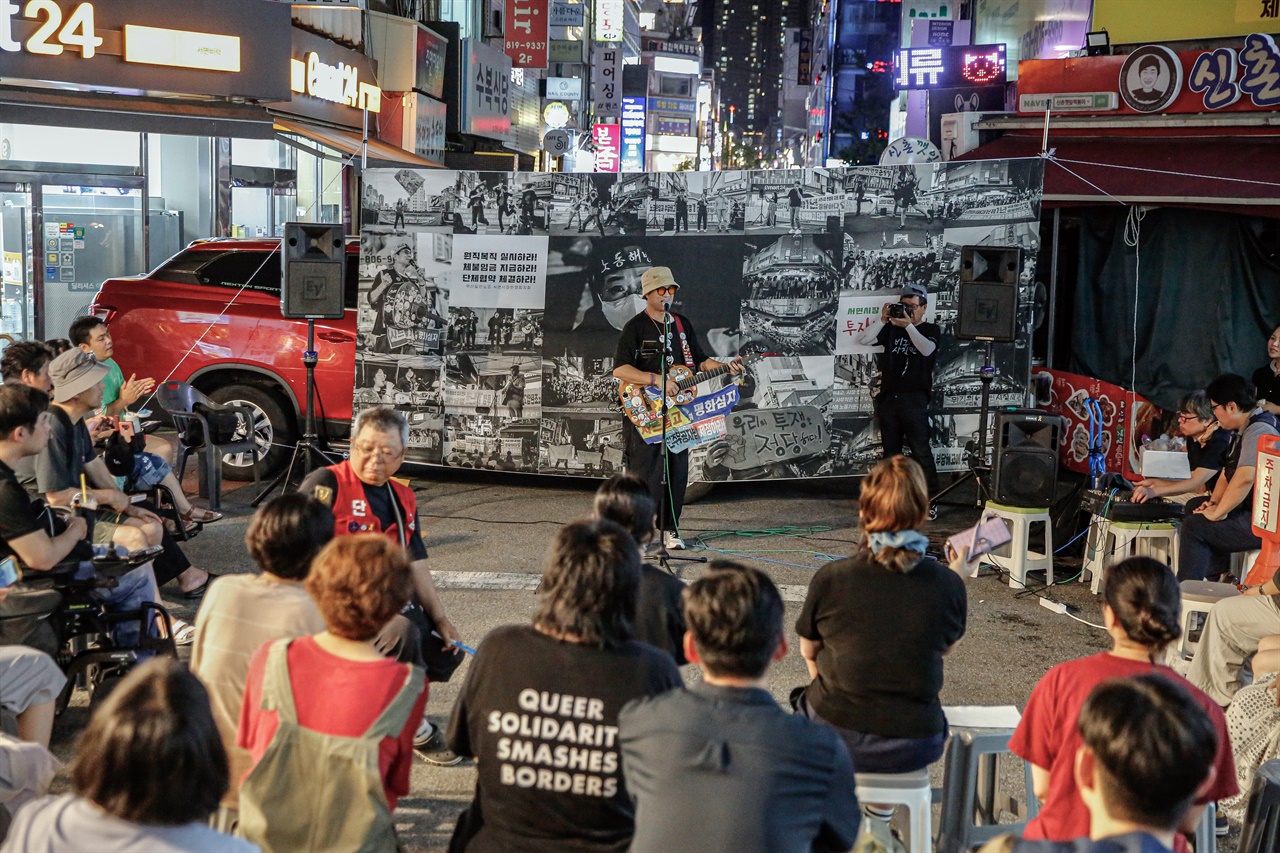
{"type": "Point", "coordinates": [365, 499]}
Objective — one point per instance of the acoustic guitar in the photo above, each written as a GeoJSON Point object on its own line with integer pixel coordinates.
{"type": "Point", "coordinates": [643, 404]}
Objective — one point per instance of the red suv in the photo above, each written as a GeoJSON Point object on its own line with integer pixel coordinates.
{"type": "Point", "coordinates": [210, 316]}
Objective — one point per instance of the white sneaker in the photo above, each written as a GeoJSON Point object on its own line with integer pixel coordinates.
{"type": "Point", "coordinates": [672, 541]}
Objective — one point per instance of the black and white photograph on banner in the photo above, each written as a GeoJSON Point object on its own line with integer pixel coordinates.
{"type": "Point", "coordinates": [572, 385]}
{"type": "Point", "coordinates": [402, 302]}
{"type": "Point", "coordinates": [792, 288]}
{"type": "Point", "coordinates": [402, 381]}
{"type": "Point", "coordinates": [488, 203]}
{"type": "Point", "coordinates": [581, 444]}
{"type": "Point", "coordinates": [982, 192]}
{"type": "Point", "coordinates": [417, 198]}
{"type": "Point", "coordinates": [494, 384]}
{"type": "Point", "coordinates": [903, 213]}
{"type": "Point", "coordinates": [957, 375]}
{"type": "Point", "coordinates": [491, 443]}
{"type": "Point", "coordinates": [686, 203]}
{"type": "Point", "coordinates": [794, 201]}
{"type": "Point", "coordinates": [856, 379]}
{"type": "Point", "coordinates": [511, 331]}
{"type": "Point", "coordinates": [954, 437]}
{"type": "Point", "coordinates": [779, 382]}
{"type": "Point", "coordinates": [599, 204]}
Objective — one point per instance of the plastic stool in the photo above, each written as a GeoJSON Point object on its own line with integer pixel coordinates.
{"type": "Point", "coordinates": [1115, 540]}
{"type": "Point", "coordinates": [1206, 840]}
{"type": "Point", "coordinates": [1261, 833]}
{"type": "Point", "coordinates": [904, 789]}
{"type": "Point", "coordinates": [1197, 598]}
{"type": "Point", "coordinates": [971, 796]}
{"type": "Point", "coordinates": [1016, 558]}
{"type": "Point", "coordinates": [1242, 563]}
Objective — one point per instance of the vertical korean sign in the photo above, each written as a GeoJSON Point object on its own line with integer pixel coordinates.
{"type": "Point", "coordinates": [633, 112]}
{"type": "Point", "coordinates": [606, 80]}
{"type": "Point", "coordinates": [608, 140]}
{"type": "Point", "coordinates": [607, 20]}
{"type": "Point", "coordinates": [487, 87]}
{"type": "Point", "coordinates": [526, 28]}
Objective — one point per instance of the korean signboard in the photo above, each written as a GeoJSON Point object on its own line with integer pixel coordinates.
{"type": "Point", "coordinates": [563, 50]}
{"type": "Point", "coordinates": [949, 67]}
{"type": "Point", "coordinates": [429, 128]}
{"type": "Point", "coordinates": [432, 55]}
{"type": "Point", "coordinates": [565, 88]}
{"type": "Point", "coordinates": [486, 84]}
{"type": "Point", "coordinates": [607, 20]}
{"type": "Point", "coordinates": [208, 47]}
{"type": "Point", "coordinates": [330, 83]}
{"type": "Point", "coordinates": [606, 80]}
{"type": "Point", "coordinates": [526, 33]}
{"type": "Point", "coordinates": [679, 106]}
{"type": "Point", "coordinates": [633, 126]}
{"type": "Point", "coordinates": [565, 14]}
{"type": "Point", "coordinates": [608, 140]}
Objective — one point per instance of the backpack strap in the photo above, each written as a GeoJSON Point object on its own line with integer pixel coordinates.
{"type": "Point", "coordinates": [277, 692]}
{"type": "Point", "coordinates": [392, 719]}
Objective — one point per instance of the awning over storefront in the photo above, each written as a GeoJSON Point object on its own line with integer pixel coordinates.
{"type": "Point", "coordinates": [102, 111]}
{"type": "Point", "coordinates": [1225, 172]}
{"type": "Point", "coordinates": [379, 153]}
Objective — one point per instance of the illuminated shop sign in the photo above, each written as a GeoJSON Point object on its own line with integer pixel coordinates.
{"type": "Point", "coordinates": [337, 84]}
{"type": "Point", "coordinates": [952, 66]}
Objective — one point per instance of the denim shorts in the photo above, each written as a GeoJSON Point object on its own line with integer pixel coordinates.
{"type": "Point", "coordinates": [149, 470]}
{"type": "Point", "coordinates": [876, 753]}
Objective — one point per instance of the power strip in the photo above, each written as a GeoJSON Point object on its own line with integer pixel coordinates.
{"type": "Point", "coordinates": [1055, 606]}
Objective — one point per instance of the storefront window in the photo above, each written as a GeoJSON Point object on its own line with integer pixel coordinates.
{"type": "Point", "coordinates": [180, 184]}
{"type": "Point", "coordinates": [26, 143]}
{"type": "Point", "coordinates": [264, 187]}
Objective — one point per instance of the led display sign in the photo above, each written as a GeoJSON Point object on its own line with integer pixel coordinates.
{"type": "Point", "coordinates": [949, 67]}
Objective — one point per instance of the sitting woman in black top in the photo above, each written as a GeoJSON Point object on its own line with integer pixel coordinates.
{"type": "Point", "coordinates": [1267, 378]}
{"type": "Point", "coordinates": [1207, 445]}
{"type": "Point", "coordinates": [875, 627]}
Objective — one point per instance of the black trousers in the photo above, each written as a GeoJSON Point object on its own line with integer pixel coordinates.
{"type": "Point", "coordinates": [646, 460]}
{"type": "Point", "coordinates": [1205, 547]}
{"type": "Point", "coordinates": [904, 418]}
{"type": "Point", "coordinates": [682, 217]}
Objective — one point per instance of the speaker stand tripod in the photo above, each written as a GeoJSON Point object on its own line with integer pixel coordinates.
{"type": "Point", "coordinates": [306, 451]}
{"type": "Point", "coordinates": [979, 471]}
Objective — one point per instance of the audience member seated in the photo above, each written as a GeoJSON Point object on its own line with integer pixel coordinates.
{"type": "Point", "coordinates": [244, 611]}
{"type": "Point", "coordinates": [150, 467]}
{"type": "Point", "coordinates": [1140, 610]}
{"type": "Point", "coordinates": [1221, 524]}
{"type": "Point", "coordinates": [1253, 720]}
{"type": "Point", "coordinates": [328, 719]}
{"type": "Point", "coordinates": [529, 687]}
{"type": "Point", "coordinates": [1207, 446]}
{"type": "Point", "coordinates": [1146, 751]}
{"type": "Point", "coordinates": [625, 500]}
{"type": "Point", "coordinates": [1267, 378]}
{"type": "Point", "coordinates": [69, 462]}
{"type": "Point", "coordinates": [365, 499]}
{"type": "Point", "coordinates": [721, 762]}
{"type": "Point", "coordinates": [1231, 634]}
{"type": "Point", "coordinates": [148, 772]}
{"type": "Point", "coordinates": [27, 363]}
{"type": "Point", "coordinates": [29, 685]}
{"type": "Point", "coordinates": [874, 629]}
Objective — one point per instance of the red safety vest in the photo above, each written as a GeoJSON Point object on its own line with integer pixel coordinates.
{"type": "Point", "coordinates": [351, 511]}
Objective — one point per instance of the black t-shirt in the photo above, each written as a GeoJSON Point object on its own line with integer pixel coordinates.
{"type": "Point", "coordinates": [883, 636]}
{"type": "Point", "coordinates": [640, 344]}
{"type": "Point", "coordinates": [18, 517]}
{"type": "Point", "coordinates": [902, 367]}
{"type": "Point", "coordinates": [660, 612]}
{"type": "Point", "coordinates": [379, 504]}
{"type": "Point", "coordinates": [1212, 455]}
{"type": "Point", "coordinates": [1268, 384]}
{"type": "Point", "coordinates": [70, 447]}
{"type": "Point", "coordinates": [540, 716]}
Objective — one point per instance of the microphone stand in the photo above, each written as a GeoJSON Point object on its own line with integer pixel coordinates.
{"type": "Point", "coordinates": [664, 556]}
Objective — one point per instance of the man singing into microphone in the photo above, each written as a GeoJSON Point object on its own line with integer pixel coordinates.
{"type": "Point", "coordinates": [638, 360]}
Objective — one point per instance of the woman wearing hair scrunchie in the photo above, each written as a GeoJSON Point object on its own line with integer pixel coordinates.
{"type": "Point", "coordinates": [875, 627]}
{"type": "Point", "coordinates": [1141, 603]}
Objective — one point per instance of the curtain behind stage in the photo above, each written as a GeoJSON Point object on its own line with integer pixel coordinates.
{"type": "Point", "coordinates": [1208, 299]}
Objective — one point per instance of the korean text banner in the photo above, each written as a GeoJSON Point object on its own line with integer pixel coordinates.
{"type": "Point", "coordinates": [491, 303]}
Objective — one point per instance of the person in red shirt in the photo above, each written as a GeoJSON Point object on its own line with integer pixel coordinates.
{"type": "Point", "coordinates": [341, 684]}
{"type": "Point", "coordinates": [1141, 614]}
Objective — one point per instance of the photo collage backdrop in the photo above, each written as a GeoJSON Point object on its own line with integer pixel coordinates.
{"type": "Point", "coordinates": [491, 302]}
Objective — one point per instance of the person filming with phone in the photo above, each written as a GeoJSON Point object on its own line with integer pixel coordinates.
{"type": "Point", "coordinates": [910, 347]}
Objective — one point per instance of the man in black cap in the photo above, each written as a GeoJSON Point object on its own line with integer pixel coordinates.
{"type": "Point", "coordinates": [398, 305]}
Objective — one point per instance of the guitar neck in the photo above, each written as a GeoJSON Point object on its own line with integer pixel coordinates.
{"type": "Point", "coordinates": [698, 378]}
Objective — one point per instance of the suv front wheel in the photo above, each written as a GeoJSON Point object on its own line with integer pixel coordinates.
{"type": "Point", "coordinates": [273, 428]}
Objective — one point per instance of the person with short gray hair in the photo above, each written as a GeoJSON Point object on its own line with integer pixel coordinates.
{"type": "Point", "coordinates": [1207, 447]}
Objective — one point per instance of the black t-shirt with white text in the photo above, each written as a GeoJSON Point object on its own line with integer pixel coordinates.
{"type": "Point", "coordinates": [640, 343]}
{"type": "Point", "coordinates": [540, 716]}
{"type": "Point", "coordinates": [902, 367]}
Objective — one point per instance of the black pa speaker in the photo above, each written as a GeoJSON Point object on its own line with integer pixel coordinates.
{"type": "Point", "coordinates": [312, 266]}
{"type": "Point", "coordinates": [988, 293]}
{"type": "Point", "coordinates": [1026, 458]}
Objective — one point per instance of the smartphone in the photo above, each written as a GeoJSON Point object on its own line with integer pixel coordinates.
{"type": "Point", "coordinates": [9, 572]}
{"type": "Point", "coordinates": [126, 430]}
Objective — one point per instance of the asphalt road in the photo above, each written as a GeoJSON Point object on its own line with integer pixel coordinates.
{"type": "Point", "coordinates": [487, 535]}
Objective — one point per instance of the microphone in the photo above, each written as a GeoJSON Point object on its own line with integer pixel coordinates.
{"type": "Point", "coordinates": [666, 305]}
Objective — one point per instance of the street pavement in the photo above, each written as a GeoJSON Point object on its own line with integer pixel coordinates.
{"type": "Point", "coordinates": [487, 534]}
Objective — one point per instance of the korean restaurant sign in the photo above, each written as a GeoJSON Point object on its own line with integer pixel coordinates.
{"type": "Point", "coordinates": [225, 48]}
{"type": "Point", "coordinates": [1155, 79]}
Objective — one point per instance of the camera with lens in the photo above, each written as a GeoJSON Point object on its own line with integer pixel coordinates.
{"type": "Point", "coordinates": [898, 311]}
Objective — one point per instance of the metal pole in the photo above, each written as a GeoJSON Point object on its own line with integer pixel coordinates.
{"type": "Point", "coordinates": [144, 154]}
{"type": "Point", "coordinates": [1053, 289]}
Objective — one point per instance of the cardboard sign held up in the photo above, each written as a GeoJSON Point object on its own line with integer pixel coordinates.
{"type": "Point", "coordinates": [762, 436]}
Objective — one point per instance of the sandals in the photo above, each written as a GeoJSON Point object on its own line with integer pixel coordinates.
{"type": "Point", "coordinates": [200, 515]}
{"type": "Point", "coordinates": [184, 633]}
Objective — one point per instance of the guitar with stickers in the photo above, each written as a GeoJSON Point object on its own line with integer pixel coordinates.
{"type": "Point", "coordinates": [687, 411]}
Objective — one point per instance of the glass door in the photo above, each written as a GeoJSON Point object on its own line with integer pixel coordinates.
{"type": "Point", "coordinates": [17, 297]}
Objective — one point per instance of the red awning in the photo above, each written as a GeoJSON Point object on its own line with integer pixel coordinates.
{"type": "Point", "coordinates": [1225, 172]}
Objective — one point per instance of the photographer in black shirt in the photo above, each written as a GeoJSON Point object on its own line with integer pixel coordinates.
{"type": "Point", "coordinates": [906, 378]}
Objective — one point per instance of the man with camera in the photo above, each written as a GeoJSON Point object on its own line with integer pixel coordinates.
{"type": "Point", "coordinates": [910, 346]}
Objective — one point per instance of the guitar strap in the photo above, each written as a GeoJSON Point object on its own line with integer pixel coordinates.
{"type": "Point", "coordinates": [684, 343]}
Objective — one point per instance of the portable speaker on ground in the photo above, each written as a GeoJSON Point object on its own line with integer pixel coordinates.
{"type": "Point", "coordinates": [1026, 458]}
{"type": "Point", "coordinates": [312, 267]}
{"type": "Point", "coordinates": [988, 298]}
